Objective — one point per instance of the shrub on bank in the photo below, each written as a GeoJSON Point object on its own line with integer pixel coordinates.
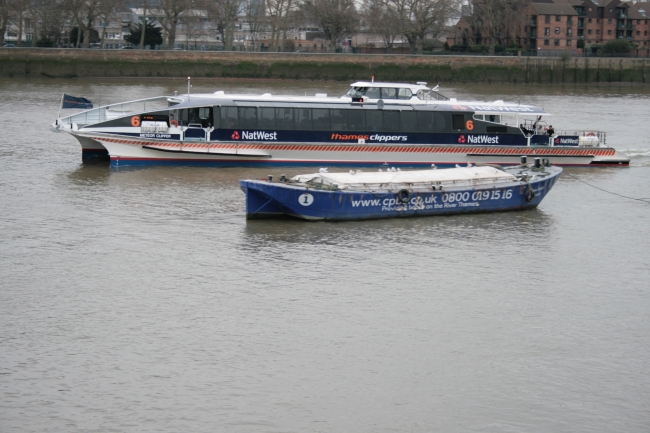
{"type": "Point", "coordinates": [617, 46]}
{"type": "Point", "coordinates": [483, 49]}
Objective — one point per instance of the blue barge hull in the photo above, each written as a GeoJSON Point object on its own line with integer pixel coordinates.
{"type": "Point", "coordinates": [527, 188]}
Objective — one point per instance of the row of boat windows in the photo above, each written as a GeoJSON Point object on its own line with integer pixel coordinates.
{"type": "Point", "coordinates": [316, 119]}
{"type": "Point", "coordinates": [380, 93]}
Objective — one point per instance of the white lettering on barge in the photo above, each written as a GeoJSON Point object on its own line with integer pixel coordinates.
{"type": "Point", "coordinates": [447, 199]}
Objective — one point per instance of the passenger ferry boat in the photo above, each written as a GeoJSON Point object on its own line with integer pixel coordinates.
{"type": "Point", "coordinates": [374, 124]}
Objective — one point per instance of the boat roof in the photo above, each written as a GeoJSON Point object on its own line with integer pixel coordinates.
{"type": "Point", "coordinates": [343, 180]}
{"type": "Point", "coordinates": [494, 108]}
{"type": "Point", "coordinates": [418, 86]}
{"type": "Point", "coordinates": [488, 108]}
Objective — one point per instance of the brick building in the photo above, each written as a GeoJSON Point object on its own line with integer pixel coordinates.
{"type": "Point", "coordinates": [556, 26]}
{"type": "Point", "coordinates": [551, 28]}
{"type": "Point", "coordinates": [639, 15]}
{"type": "Point", "coordinates": [599, 23]}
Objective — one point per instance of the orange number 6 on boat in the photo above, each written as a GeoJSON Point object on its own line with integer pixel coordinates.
{"type": "Point", "coordinates": [135, 121]}
{"type": "Point", "coordinates": [470, 125]}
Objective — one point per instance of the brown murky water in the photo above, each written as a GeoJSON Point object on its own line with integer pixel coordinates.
{"type": "Point", "coordinates": [142, 300]}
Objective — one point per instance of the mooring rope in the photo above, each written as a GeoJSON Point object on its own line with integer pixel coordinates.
{"type": "Point", "coordinates": [608, 192]}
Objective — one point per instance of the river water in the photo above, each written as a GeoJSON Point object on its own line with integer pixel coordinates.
{"type": "Point", "coordinates": [142, 300]}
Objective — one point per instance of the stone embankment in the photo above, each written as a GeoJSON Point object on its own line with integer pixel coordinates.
{"type": "Point", "coordinates": [60, 63]}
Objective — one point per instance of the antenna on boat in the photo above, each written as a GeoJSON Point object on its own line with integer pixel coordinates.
{"type": "Point", "coordinates": [188, 88]}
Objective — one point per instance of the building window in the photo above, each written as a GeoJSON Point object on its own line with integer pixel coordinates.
{"type": "Point", "coordinates": [569, 32]}
{"type": "Point", "coordinates": [558, 18]}
{"type": "Point", "coordinates": [588, 32]}
{"type": "Point", "coordinates": [556, 43]}
{"type": "Point", "coordinates": [645, 33]}
{"type": "Point", "coordinates": [597, 32]}
{"type": "Point", "coordinates": [638, 21]}
{"type": "Point", "coordinates": [568, 42]}
{"type": "Point", "coordinates": [547, 19]}
{"type": "Point", "coordinates": [638, 33]}
{"type": "Point", "coordinates": [547, 42]}
{"type": "Point", "coordinates": [589, 20]}
{"type": "Point", "coordinates": [557, 30]}
{"type": "Point", "coordinates": [609, 21]}
{"type": "Point", "coordinates": [609, 32]}
{"type": "Point", "coordinates": [547, 31]}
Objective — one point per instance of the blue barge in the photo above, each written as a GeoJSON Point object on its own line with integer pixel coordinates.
{"type": "Point", "coordinates": [358, 195]}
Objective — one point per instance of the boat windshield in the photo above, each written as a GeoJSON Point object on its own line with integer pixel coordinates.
{"type": "Point", "coordinates": [380, 93]}
{"type": "Point", "coordinates": [355, 92]}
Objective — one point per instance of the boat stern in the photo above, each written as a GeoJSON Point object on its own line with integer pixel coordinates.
{"type": "Point", "coordinates": [615, 158]}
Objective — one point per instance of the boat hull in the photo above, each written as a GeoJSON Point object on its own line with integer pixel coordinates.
{"type": "Point", "coordinates": [273, 199]}
{"type": "Point", "coordinates": [127, 151]}
{"type": "Point", "coordinates": [92, 150]}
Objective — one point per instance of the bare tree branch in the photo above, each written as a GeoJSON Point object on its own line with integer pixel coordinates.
{"type": "Point", "coordinates": [338, 18]}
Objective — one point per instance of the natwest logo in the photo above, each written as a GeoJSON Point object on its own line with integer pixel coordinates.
{"type": "Point", "coordinates": [483, 139]}
{"type": "Point", "coordinates": [235, 135]}
{"type": "Point", "coordinates": [461, 139]}
{"type": "Point", "coordinates": [259, 135]}
{"type": "Point", "coordinates": [567, 140]}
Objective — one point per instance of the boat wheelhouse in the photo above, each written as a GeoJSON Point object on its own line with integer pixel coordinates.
{"type": "Point", "coordinates": [374, 124]}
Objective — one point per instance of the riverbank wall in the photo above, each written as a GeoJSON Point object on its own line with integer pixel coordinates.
{"type": "Point", "coordinates": [65, 63]}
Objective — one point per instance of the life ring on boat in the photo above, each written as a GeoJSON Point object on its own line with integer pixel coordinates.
{"type": "Point", "coordinates": [403, 196]}
{"type": "Point", "coordinates": [173, 122]}
{"type": "Point", "coordinates": [590, 134]}
{"type": "Point", "coordinates": [530, 194]}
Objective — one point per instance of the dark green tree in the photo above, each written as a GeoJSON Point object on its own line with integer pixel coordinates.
{"type": "Point", "coordinates": [617, 46]}
{"type": "Point", "coordinates": [94, 36]}
{"type": "Point", "coordinates": [152, 35]}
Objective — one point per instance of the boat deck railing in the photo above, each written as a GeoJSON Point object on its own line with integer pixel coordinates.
{"type": "Point", "coordinates": [602, 135]}
{"type": "Point", "coordinates": [114, 111]}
